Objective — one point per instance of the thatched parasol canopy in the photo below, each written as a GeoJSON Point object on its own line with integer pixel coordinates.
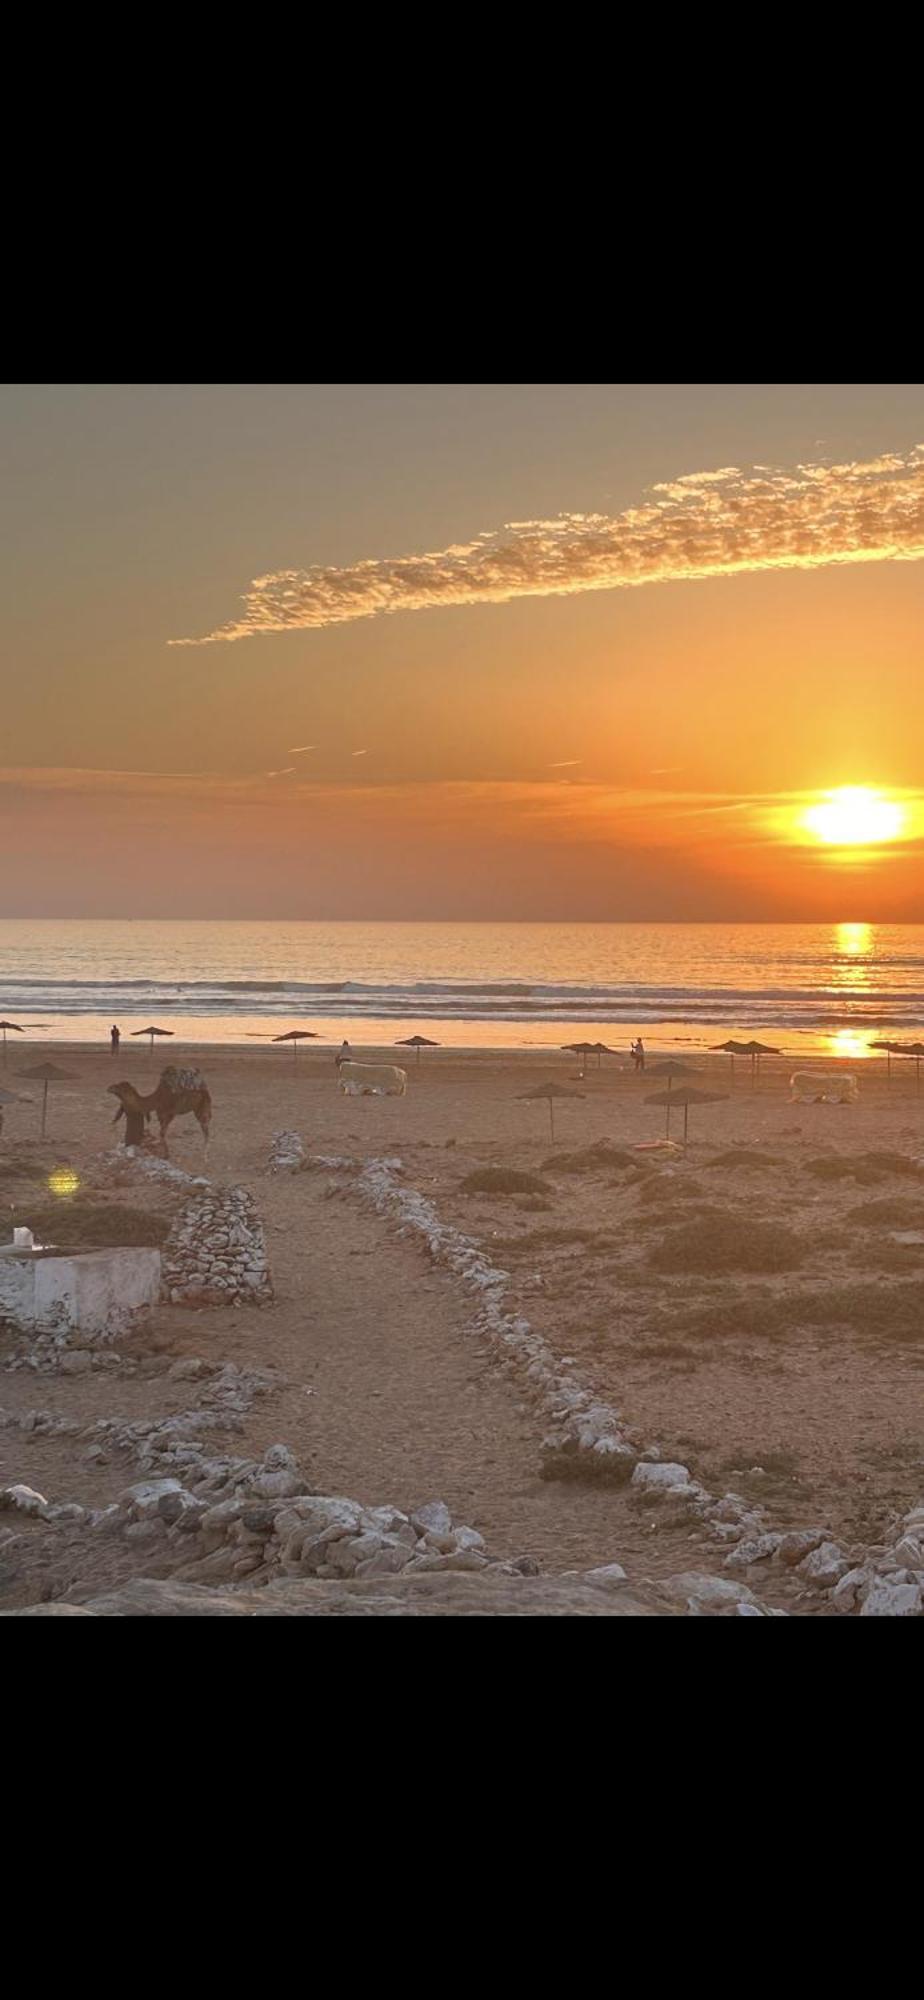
{"type": "Point", "coordinates": [296, 1035]}
{"type": "Point", "coordinates": [671, 1067]}
{"type": "Point", "coordinates": [152, 1032]}
{"type": "Point", "coordinates": [685, 1096]}
{"type": "Point", "coordinates": [550, 1091]}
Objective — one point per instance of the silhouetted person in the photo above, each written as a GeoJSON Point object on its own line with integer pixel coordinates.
{"type": "Point", "coordinates": [345, 1054]}
{"type": "Point", "coordinates": [639, 1054]}
{"type": "Point", "coordinates": [114, 1040]}
{"type": "Point", "coordinates": [134, 1122]}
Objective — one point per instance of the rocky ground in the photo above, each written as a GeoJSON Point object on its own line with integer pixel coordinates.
{"type": "Point", "coordinates": [607, 1391]}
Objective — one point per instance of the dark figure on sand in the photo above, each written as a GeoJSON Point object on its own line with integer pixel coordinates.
{"type": "Point", "coordinates": [638, 1053]}
{"type": "Point", "coordinates": [135, 1122]}
{"type": "Point", "coordinates": [114, 1040]}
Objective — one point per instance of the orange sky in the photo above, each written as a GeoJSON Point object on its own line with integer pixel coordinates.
{"type": "Point", "coordinates": [610, 709]}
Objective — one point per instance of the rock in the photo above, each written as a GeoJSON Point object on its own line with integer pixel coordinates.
{"type": "Point", "coordinates": [493, 1593]}
{"type": "Point", "coordinates": [886, 1599]}
{"type": "Point", "coordinates": [756, 1551]}
{"type": "Point", "coordinates": [607, 1573]}
{"type": "Point", "coordinates": [77, 1361]}
{"type": "Point", "coordinates": [144, 1497]}
{"type": "Point", "coordinates": [432, 1519]}
{"type": "Point", "coordinates": [24, 1499]}
{"type": "Point", "coordinates": [702, 1592]}
{"type": "Point", "coordinates": [675, 1480]}
{"type": "Point", "coordinates": [794, 1547]}
{"type": "Point", "coordinates": [824, 1566]}
{"type": "Point", "coordinates": [387, 1562]}
{"type": "Point", "coordinates": [909, 1552]}
{"type": "Point", "coordinates": [847, 1593]}
{"type": "Point", "coordinates": [187, 1370]}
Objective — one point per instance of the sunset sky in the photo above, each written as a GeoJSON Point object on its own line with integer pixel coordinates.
{"type": "Point", "coordinates": [461, 652]}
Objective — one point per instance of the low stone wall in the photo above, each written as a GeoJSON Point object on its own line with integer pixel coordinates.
{"type": "Point", "coordinates": [215, 1253]}
{"type": "Point", "coordinates": [93, 1292]}
{"type": "Point", "coordinates": [287, 1154]}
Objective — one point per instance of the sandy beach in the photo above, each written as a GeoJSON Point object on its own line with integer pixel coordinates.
{"type": "Point", "coordinates": [753, 1308]}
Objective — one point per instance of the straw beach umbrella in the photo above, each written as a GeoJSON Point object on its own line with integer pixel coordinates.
{"type": "Point", "coordinates": [602, 1049]}
{"type": "Point", "coordinates": [549, 1091]}
{"type": "Point", "coordinates": [755, 1050]}
{"type": "Point", "coordinates": [16, 1030]}
{"type": "Point", "coordinates": [671, 1067]}
{"type": "Point", "coordinates": [417, 1042]}
{"type": "Point", "coordinates": [732, 1049]}
{"type": "Point", "coordinates": [152, 1032]}
{"type": "Point", "coordinates": [685, 1096]}
{"type": "Point", "coordinates": [47, 1073]}
{"type": "Point", "coordinates": [296, 1035]}
{"type": "Point", "coordinates": [889, 1049]}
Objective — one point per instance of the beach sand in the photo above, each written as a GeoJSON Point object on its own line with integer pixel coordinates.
{"type": "Point", "coordinates": [747, 1306]}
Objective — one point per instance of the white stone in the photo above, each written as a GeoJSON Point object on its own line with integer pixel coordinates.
{"type": "Point", "coordinates": [824, 1566]}
{"type": "Point", "coordinates": [886, 1599]}
{"type": "Point", "coordinates": [704, 1592]}
{"type": "Point", "coordinates": [608, 1573]}
{"type": "Point", "coordinates": [433, 1518]}
{"type": "Point", "coordinates": [847, 1592]}
{"type": "Point", "coordinates": [673, 1479]}
{"type": "Point", "coordinates": [23, 1498]}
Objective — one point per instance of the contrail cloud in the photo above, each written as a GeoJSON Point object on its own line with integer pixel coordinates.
{"type": "Point", "coordinates": [704, 524]}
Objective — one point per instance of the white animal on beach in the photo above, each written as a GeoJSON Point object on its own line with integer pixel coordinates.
{"type": "Point", "coordinates": [811, 1087]}
{"type": "Point", "coordinates": [372, 1080]}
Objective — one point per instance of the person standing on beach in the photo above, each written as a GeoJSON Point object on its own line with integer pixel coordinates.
{"type": "Point", "coordinates": [114, 1040]}
{"type": "Point", "coordinates": [345, 1055]}
{"type": "Point", "coordinates": [639, 1054]}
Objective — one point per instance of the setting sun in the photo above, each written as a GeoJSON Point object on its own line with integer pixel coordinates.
{"type": "Point", "coordinates": [855, 816]}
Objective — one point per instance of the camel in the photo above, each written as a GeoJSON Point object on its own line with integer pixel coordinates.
{"type": "Point", "coordinates": [178, 1091]}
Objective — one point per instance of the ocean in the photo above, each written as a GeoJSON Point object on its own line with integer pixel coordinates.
{"type": "Point", "coordinates": [828, 987]}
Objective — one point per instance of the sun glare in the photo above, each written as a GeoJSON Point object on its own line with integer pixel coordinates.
{"type": "Point", "coordinates": [855, 816]}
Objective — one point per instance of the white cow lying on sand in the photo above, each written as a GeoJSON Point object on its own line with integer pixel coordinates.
{"type": "Point", "coordinates": [372, 1080]}
{"type": "Point", "coordinates": [811, 1087]}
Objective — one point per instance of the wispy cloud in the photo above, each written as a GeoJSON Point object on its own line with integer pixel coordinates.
{"type": "Point", "coordinates": [359, 753]}
{"type": "Point", "coordinates": [702, 524]}
{"type": "Point", "coordinates": [298, 749]}
{"type": "Point", "coordinates": [566, 764]}
{"type": "Point", "coordinates": [289, 772]}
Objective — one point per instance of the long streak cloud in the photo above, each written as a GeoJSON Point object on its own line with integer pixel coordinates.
{"type": "Point", "coordinates": [704, 524]}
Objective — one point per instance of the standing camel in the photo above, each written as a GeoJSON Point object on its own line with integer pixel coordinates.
{"type": "Point", "coordinates": [178, 1091]}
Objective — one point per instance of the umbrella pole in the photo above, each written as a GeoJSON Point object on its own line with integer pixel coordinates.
{"type": "Point", "coordinates": [686, 1114]}
{"type": "Point", "coordinates": [44, 1106]}
{"type": "Point", "coordinates": [4, 1048]}
{"type": "Point", "coordinates": [552, 1120]}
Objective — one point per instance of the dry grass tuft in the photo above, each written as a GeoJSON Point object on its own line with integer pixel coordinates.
{"type": "Point", "coordinates": [889, 1212]}
{"type": "Point", "coordinates": [661, 1187]}
{"type": "Point", "coordinates": [716, 1240]}
{"type": "Point", "coordinates": [503, 1180]}
{"type": "Point", "coordinates": [594, 1159]}
{"type": "Point", "coordinates": [98, 1225]}
{"type": "Point", "coordinates": [747, 1158]}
